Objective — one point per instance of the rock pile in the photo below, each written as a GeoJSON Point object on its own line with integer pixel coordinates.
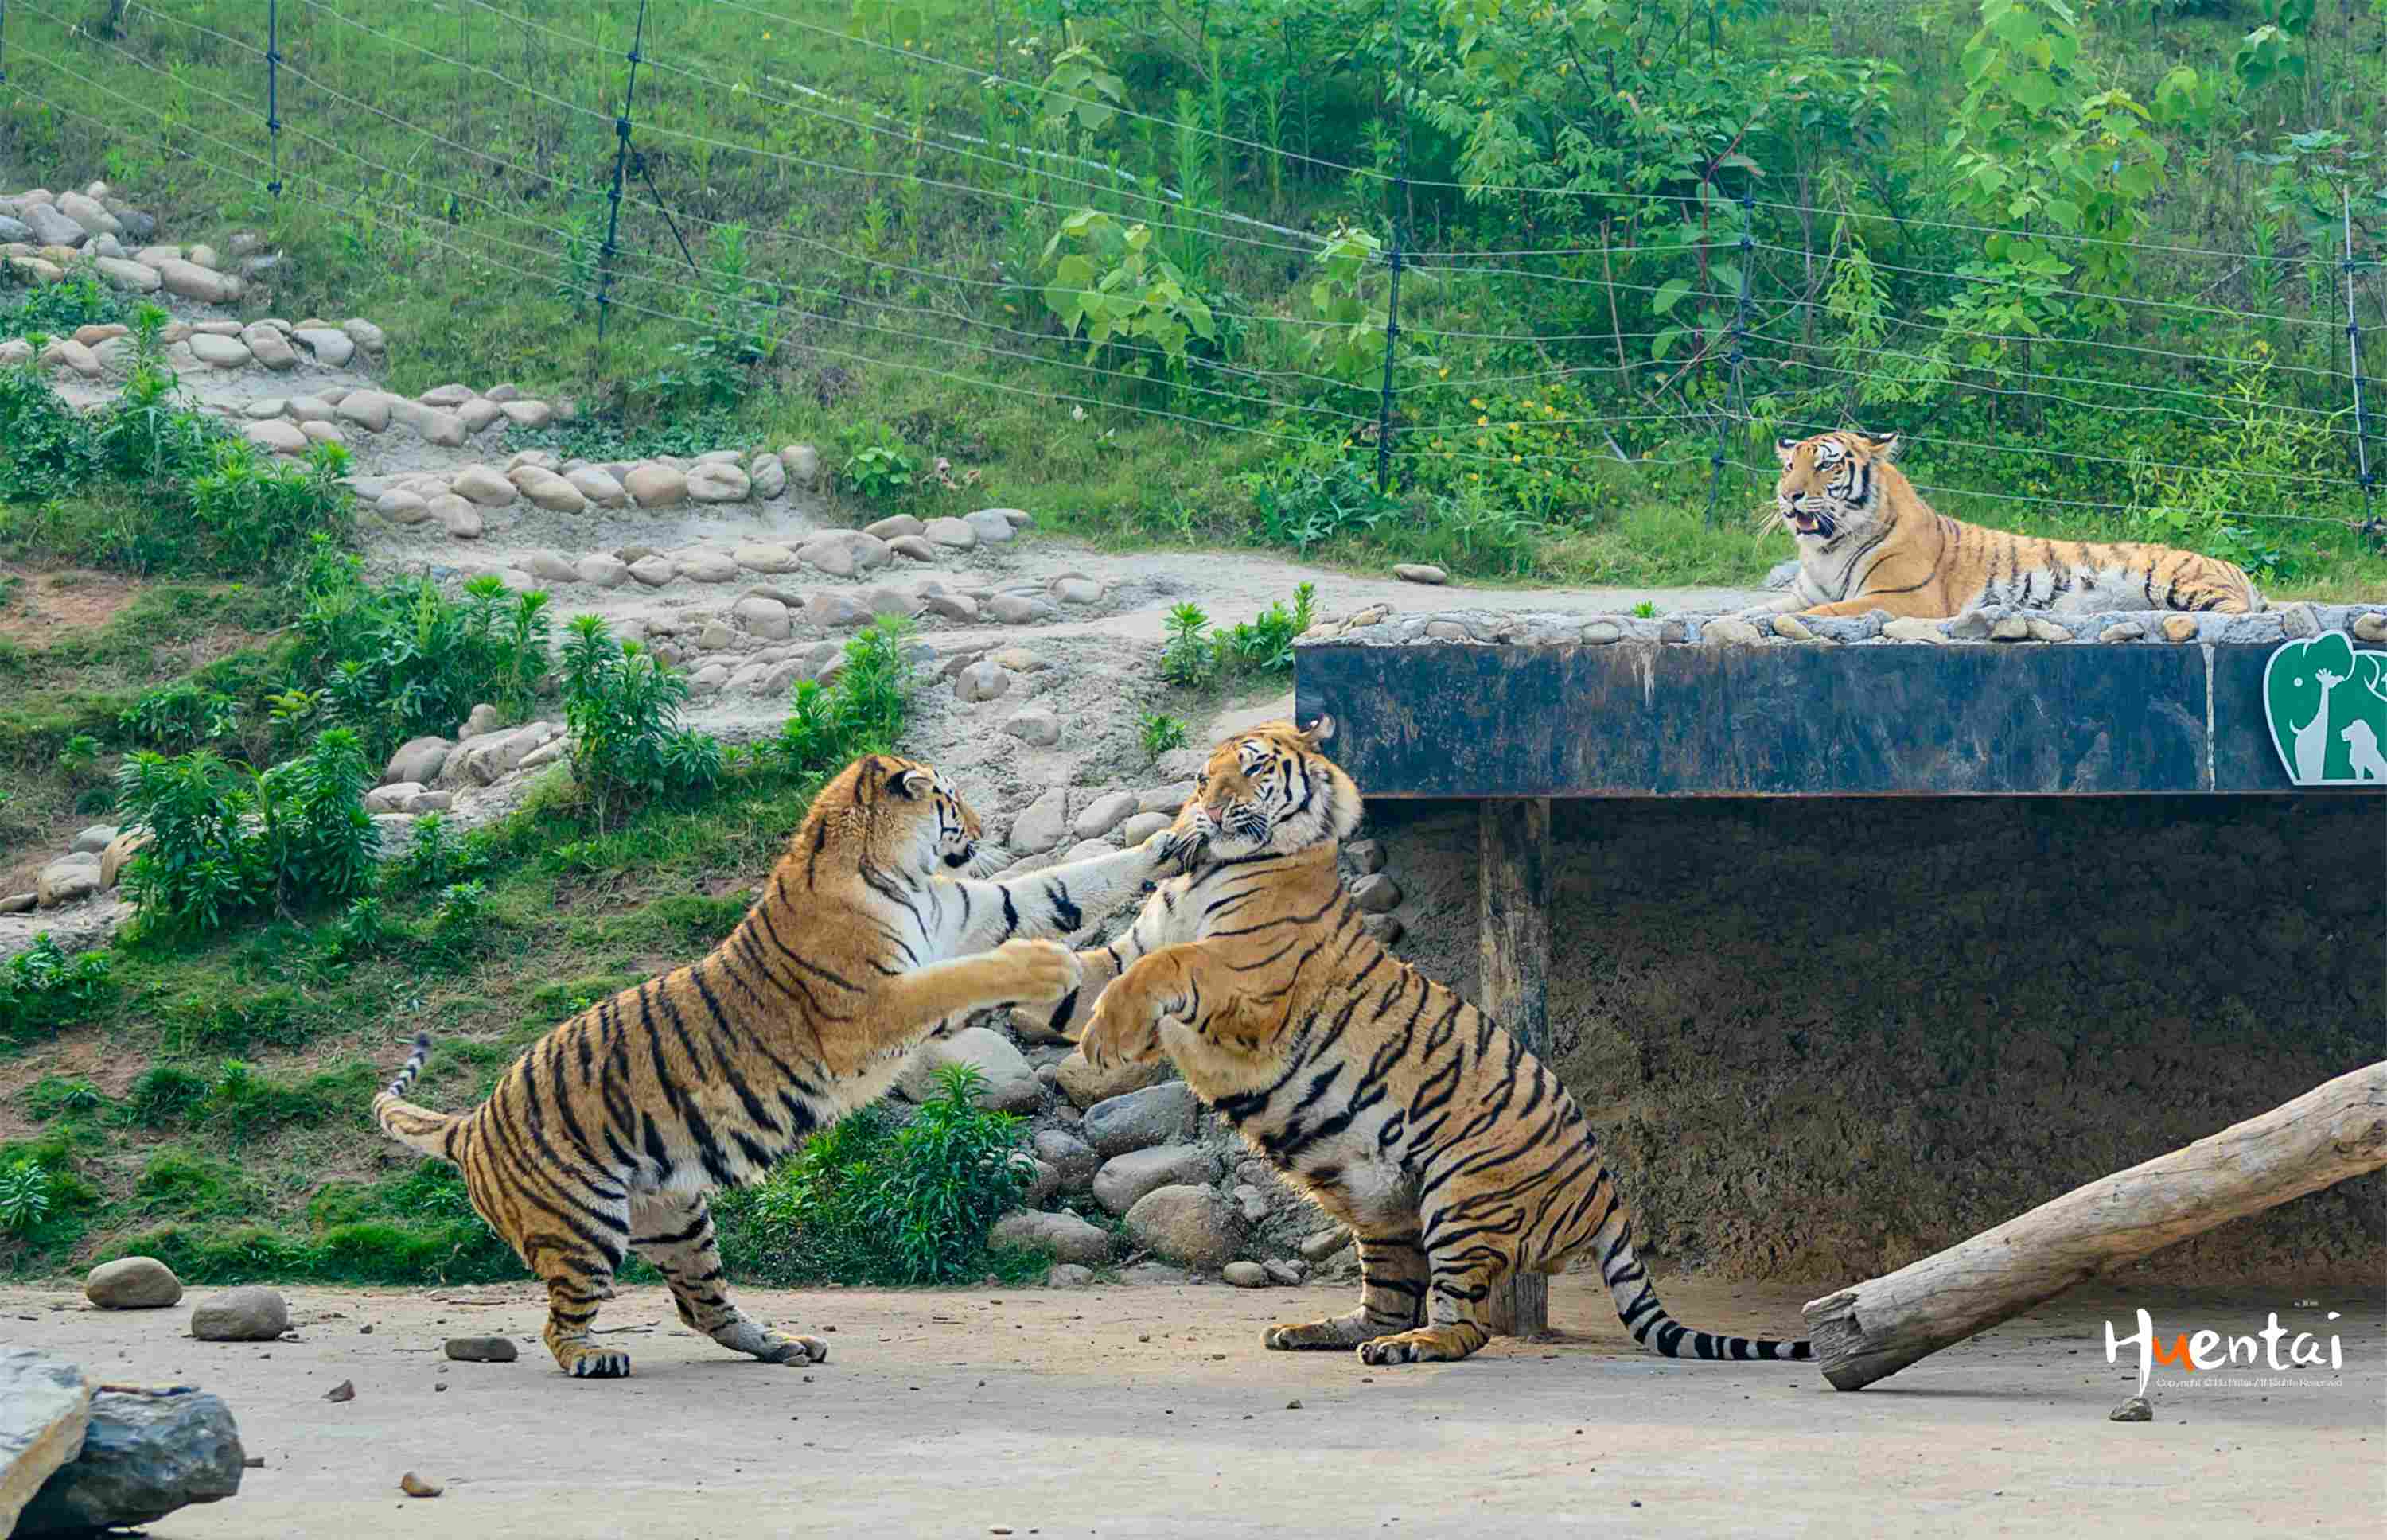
{"type": "Point", "coordinates": [75, 1459]}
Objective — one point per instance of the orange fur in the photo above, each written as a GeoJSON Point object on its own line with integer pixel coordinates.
{"type": "Point", "coordinates": [1455, 1155]}
{"type": "Point", "coordinates": [1868, 541]}
{"type": "Point", "coordinates": [606, 1136]}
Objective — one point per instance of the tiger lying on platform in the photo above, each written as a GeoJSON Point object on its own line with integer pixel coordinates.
{"type": "Point", "coordinates": [1868, 541]}
{"type": "Point", "coordinates": [1453, 1154]}
{"type": "Point", "coordinates": [606, 1136]}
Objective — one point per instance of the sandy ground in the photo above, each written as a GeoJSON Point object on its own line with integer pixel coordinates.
{"type": "Point", "coordinates": [1137, 1411]}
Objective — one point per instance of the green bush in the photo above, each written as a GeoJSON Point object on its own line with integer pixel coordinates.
{"type": "Point", "coordinates": [402, 660]}
{"type": "Point", "coordinates": [43, 990]}
{"type": "Point", "coordinates": [62, 309]}
{"type": "Point", "coordinates": [621, 705]}
{"type": "Point", "coordinates": [25, 1194]}
{"type": "Point", "coordinates": [871, 1201]}
{"type": "Point", "coordinates": [228, 841]}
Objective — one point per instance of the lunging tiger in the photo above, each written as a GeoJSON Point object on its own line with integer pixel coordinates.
{"type": "Point", "coordinates": [605, 1136]}
{"type": "Point", "coordinates": [1455, 1155]}
{"type": "Point", "coordinates": [1868, 541]}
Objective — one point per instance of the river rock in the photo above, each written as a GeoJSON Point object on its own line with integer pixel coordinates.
{"type": "Point", "coordinates": [654, 485]}
{"type": "Point", "coordinates": [718, 483]}
{"type": "Point", "coordinates": [1105, 813]}
{"type": "Point", "coordinates": [1070, 1156]}
{"type": "Point", "coordinates": [1124, 1179]}
{"type": "Point", "coordinates": [981, 681]}
{"type": "Point", "coordinates": [132, 1283]}
{"type": "Point", "coordinates": [1157, 1114]}
{"type": "Point", "coordinates": [146, 1453]}
{"type": "Point", "coordinates": [952, 533]}
{"type": "Point", "coordinates": [1187, 1224]}
{"type": "Point", "coordinates": [483, 1350]}
{"type": "Point", "coordinates": [1034, 725]}
{"type": "Point", "coordinates": [220, 352]}
{"type": "Point", "coordinates": [767, 618]}
{"type": "Point", "coordinates": [69, 879]}
{"type": "Point", "coordinates": [1066, 1236]}
{"type": "Point", "coordinates": [1246, 1275]}
{"type": "Point", "coordinates": [992, 525]}
{"type": "Point", "coordinates": [596, 486]}
{"type": "Point", "coordinates": [251, 1314]}
{"type": "Point", "coordinates": [1011, 1085]}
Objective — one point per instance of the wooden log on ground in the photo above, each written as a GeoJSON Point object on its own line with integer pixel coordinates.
{"type": "Point", "coordinates": [2322, 1137]}
{"type": "Point", "coordinates": [1513, 918]}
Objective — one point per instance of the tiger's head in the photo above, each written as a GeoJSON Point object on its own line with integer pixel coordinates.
{"type": "Point", "coordinates": [1268, 791]}
{"type": "Point", "coordinates": [1832, 484]}
{"type": "Point", "coordinates": [912, 818]}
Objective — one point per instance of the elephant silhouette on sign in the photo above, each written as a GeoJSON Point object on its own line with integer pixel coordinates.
{"type": "Point", "coordinates": [2328, 705]}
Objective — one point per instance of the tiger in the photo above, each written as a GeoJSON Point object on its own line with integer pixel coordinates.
{"type": "Point", "coordinates": [606, 1137]}
{"type": "Point", "coordinates": [1868, 541]}
{"type": "Point", "coordinates": [1455, 1155]}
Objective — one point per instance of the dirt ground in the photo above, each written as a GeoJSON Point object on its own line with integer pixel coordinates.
{"type": "Point", "coordinates": [1139, 1411]}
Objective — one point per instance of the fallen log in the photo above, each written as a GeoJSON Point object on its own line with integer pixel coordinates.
{"type": "Point", "coordinates": [1877, 1328]}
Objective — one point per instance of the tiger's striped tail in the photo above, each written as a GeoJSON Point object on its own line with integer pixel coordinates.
{"type": "Point", "coordinates": [1638, 1307]}
{"type": "Point", "coordinates": [431, 1133]}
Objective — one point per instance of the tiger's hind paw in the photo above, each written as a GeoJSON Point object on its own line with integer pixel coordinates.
{"type": "Point", "coordinates": [585, 1360]}
{"type": "Point", "coordinates": [1427, 1345]}
{"type": "Point", "coordinates": [802, 1352]}
{"type": "Point", "coordinates": [1297, 1336]}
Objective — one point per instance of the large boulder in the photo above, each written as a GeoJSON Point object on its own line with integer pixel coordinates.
{"type": "Point", "coordinates": [145, 1454]}
{"type": "Point", "coordinates": [1187, 1224]}
{"type": "Point", "coordinates": [45, 1408]}
{"type": "Point", "coordinates": [1042, 826]}
{"type": "Point", "coordinates": [1066, 1236]}
{"type": "Point", "coordinates": [252, 1314]}
{"type": "Point", "coordinates": [69, 879]}
{"type": "Point", "coordinates": [418, 759]}
{"type": "Point", "coordinates": [132, 1283]}
{"type": "Point", "coordinates": [1125, 1179]}
{"type": "Point", "coordinates": [1157, 1114]}
{"type": "Point", "coordinates": [1011, 1085]}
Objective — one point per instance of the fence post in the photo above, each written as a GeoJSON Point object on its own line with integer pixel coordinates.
{"type": "Point", "coordinates": [3, 42]}
{"type": "Point", "coordinates": [1397, 205]}
{"type": "Point", "coordinates": [274, 90]}
{"type": "Point", "coordinates": [2354, 365]}
{"type": "Point", "coordinates": [621, 164]}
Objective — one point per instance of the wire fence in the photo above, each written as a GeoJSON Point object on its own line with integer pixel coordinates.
{"type": "Point", "coordinates": [1754, 339]}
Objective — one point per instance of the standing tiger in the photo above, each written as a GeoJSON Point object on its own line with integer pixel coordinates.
{"type": "Point", "coordinates": [1455, 1155]}
{"type": "Point", "coordinates": [605, 1136]}
{"type": "Point", "coordinates": [1868, 541]}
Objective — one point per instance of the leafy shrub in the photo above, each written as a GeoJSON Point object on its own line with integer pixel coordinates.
{"type": "Point", "coordinates": [256, 506]}
{"type": "Point", "coordinates": [863, 712]}
{"type": "Point", "coordinates": [1264, 644]}
{"type": "Point", "coordinates": [59, 310]}
{"type": "Point", "coordinates": [1317, 499]}
{"type": "Point", "coordinates": [43, 989]}
{"type": "Point", "coordinates": [51, 1096]}
{"type": "Point", "coordinates": [403, 658]}
{"type": "Point", "coordinates": [879, 472]}
{"type": "Point", "coordinates": [621, 705]}
{"type": "Point", "coordinates": [24, 1195]}
{"type": "Point", "coordinates": [870, 1202]}
{"type": "Point", "coordinates": [179, 717]}
{"type": "Point", "coordinates": [1186, 658]}
{"type": "Point", "coordinates": [226, 843]}
{"type": "Point", "coordinates": [1160, 733]}
{"type": "Point", "coordinates": [50, 447]}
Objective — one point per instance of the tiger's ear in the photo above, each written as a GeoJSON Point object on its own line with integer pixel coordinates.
{"type": "Point", "coordinates": [1884, 445]}
{"type": "Point", "coordinates": [1786, 450]}
{"type": "Point", "coordinates": [1318, 732]}
{"type": "Point", "coordinates": [910, 780]}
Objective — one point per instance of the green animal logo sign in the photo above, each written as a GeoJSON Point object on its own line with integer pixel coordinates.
{"type": "Point", "coordinates": [2327, 707]}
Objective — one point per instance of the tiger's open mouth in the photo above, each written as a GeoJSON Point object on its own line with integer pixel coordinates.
{"type": "Point", "coordinates": [1812, 524]}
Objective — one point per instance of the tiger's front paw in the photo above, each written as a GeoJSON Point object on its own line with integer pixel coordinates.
{"type": "Point", "coordinates": [1121, 1033]}
{"type": "Point", "coordinates": [1174, 851]}
{"type": "Point", "coordinates": [1042, 972]}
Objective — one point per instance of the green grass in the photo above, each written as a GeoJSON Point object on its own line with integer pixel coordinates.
{"type": "Point", "coordinates": [243, 1149]}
